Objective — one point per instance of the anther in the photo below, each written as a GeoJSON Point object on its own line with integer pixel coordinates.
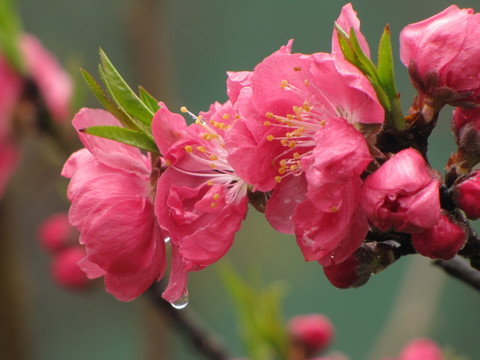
{"type": "Point", "coordinates": [333, 209]}
{"type": "Point", "coordinates": [213, 157]}
{"type": "Point", "coordinates": [269, 115]}
{"type": "Point", "coordinates": [225, 116]}
{"type": "Point", "coordinates": [284, 84]}
{"type": "Point", "coordinates": [297, 68]}
{"type": "Point", "coordinates": [188, 149]}
{"type": "Point", "coordinates": [269, 137]}
{"type": "Point", "coordinates": [267, 123]}
{"type": "Point", "coordinates": [292, 144]}
{"type": "Point", "coordinates": [201, 149]}
{"type": "Point", "coordinates": [213, 204]}
{"type": "Point", "coordinates": [216, 196]}
{"type": "Point", "coordinates": [183, 109]}
{"type": "Point", "coordinates": [278, 179]}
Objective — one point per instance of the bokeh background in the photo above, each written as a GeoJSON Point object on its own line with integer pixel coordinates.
{"type": "Point", "coordinates": [180, 50]}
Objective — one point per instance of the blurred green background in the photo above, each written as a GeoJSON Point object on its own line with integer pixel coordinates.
{"type": "Point", "coordinates": [180, 50]}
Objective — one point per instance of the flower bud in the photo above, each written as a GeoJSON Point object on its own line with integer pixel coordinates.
{"type": "Point", "coordinates": [312, 333]}
{"type": "Point", "coordinates": [438, 52]}
{"type": "Point", "coordinates": [402, 195]}
{"type": "Point", "coordinates": [65, 270]}
{"type": "Point", "coordinates": [368, 259]}
{"type": "Point", "coordinates": [466, 128]}
{"type": "Point", "coordinates": [55, 232]}
{"type": "Point", "coordinates": [421, 349]}
{"type": "Point", "coordinates": [441, 241]}
{"type": "Point", "coordinates": [467, 195]}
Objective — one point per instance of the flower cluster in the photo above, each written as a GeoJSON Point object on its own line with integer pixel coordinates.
{"type": "Point", "coordinates": [30, 99]}
{"type": "Point", "coordinates": [315, 141]}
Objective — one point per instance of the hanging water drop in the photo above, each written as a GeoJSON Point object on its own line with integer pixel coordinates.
{"type": "Point", "coordinates": [181, 302]}
{"type": "Point", "coordinates": [167, 239]}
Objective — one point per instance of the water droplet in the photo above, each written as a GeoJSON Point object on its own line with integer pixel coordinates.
{"type": "Point", "coordinates": [182, 301]}
{"type": "Point", "coordinates": [332, 257]}
{"type": "Point", "coordinates": [167, 239]}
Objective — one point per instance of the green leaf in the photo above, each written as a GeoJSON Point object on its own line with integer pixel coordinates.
{"type": "Point", "coordinates": [381, 95]}
{"type": "Point", "coordinates": [259, 311]}
{"type": "Point", "coordinates": [126, 136]}
{"type": "Point", "coordinates": [385, 64]}
{"type": "Point", "coordinates": [10, 30]}
{"type": "Point", "coordinates": [148, 99]}
{"type": "Point", "coordinates": [122, 93]}
{"type": "Point", "coordinates": [367, 66]}
{"type": "Point", "coordinates": [106, 102]}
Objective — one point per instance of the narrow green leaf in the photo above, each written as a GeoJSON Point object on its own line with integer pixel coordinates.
{"type": "Point", "coordinates": [106, 102]}
{"type": "Point", "coordinates": [148, 99]}
{"type": "Point", "coordinates": [398, 120]}
{"type": "Point", "coordinates": [368, 68]}
{"type": "Point", "coordinates": [381, 95]}
{"type": "Point", "coordinates": [10, 29]}
{"type": "Point", "coordinates": [385, 64]}
{"type": "Point", "coordinates": [125, 96]}
{"type": "Point", "coordinates": [125, 136]}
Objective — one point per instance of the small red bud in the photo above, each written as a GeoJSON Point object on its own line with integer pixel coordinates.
{"type": "Point", "coordinates": [312, 332]}
{"type": "Point", "coordinates": [55, 232]}
{"type": "Point", "coordinates": [441, 241]}
{"type": "Point", "coordinates": [65, 270]}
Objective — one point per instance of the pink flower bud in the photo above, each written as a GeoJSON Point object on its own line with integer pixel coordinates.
{"type": "Point", "coordinates": [401, 195]}
{"type": "Point", "coordinates": [441, 241]}
{"type": "Point", "coordinates": [421, 349]}
{"type": "Point", "coordinates": [466, 128]}
{"type": "Point", "coordinates": [438, 52]}
{"type": "Point", "coordinates": [65, 270]}
{"type": "Point", "coordinates": [55, 232]}
{"type": "Point", "coordinates": [467, 196]}
{"type": "Point", "coordinates": [314, 332]}
{"type": "Point", "coordinates": [355, 271]}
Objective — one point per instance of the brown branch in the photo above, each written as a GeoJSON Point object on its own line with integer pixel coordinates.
{"type": "Point", "coordinates": [205, 344]}
{"type": "Point", "coordinates": [460, 270]}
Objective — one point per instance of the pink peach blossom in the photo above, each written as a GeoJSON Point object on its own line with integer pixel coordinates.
{"type": "Point", "coordinates": [401, 195]}
{"type": "Point", "coordinates": [286, 100]}
{"type": "Point", "coordinates": [442, 241]}
{"type": "Point", "coordinates": [348, 20]}
{"type": "Point", "coordinates": [443, 46]}
{"type": "Point", "coordinates": [112, 206]}
{"type": "Point", "coordinates": [10, 92]}
{"type": "Point", "coordinates": [200, 201]}
{"type": "Point", "coordinates": [54, 84]}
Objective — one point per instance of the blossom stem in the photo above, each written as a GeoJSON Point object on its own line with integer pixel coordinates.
{"type": "Point", "coordinates": [206, 344]}
{"type": "Point", "coordinates": [460, 270]}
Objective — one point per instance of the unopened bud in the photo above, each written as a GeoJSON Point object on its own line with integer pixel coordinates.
{"type": "Point", "coordinates": [56, 232]}
{"type": "Point", "coordinates": [467, 195]}
{"type": "Point", "coordinates": [441, 241]}
{"type": "Point", "coordinates": [311, 333]}
{"type": "Point", "coordinates": [65, 270]}
{"type": "Point", "coordinates": [355, 271]}
{"type": "Point", "coordinates": [421, 349]}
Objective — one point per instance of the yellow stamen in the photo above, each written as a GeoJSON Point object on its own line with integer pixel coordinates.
{"type": "Point", "coordinates": [267, 123]}
{"type": "Point", "coordinates": [306, 82]}
{"type": "Point", "coordinates": [292, 144]}
{"type": "Point", "coordinates": [269, 137]}
{"type": "Point", "coordinates": [284, 142]}
{"type": "Point", "coordinates": [282, 170]}
{"type": "Point", "coordinates": [284, 84]}
{"type": "Point", "coordinates": [333, 209]}
{"type": "Point", "coordinates": [201, 149]}
{"type": "Point", "coordinates": [297, 68]}
{"type": "Point", "coordinates": [296, 155]}
{"type": "Point", "coordinates": [293, 167]}
{"type": "Point", "coordinates": [213, 166]}
{"type": "Point", "coordinates": [278, 179]}
{"type": "Point", "coordinates": [188, 149]}
{"type": "Point", "coordinates": [213, 157]}
{"type": "Point", "coordinates": [210, 183]}
{"type": "Point", "coordinates": [269, 115]}
{"type": "Point", "coordinates": [213, 204]}
{"type": "Point", "coordinates": [183, 109]}
{"type": "Point", "coordinates": [216, 196]}
{"type": "Point", "coordinates": [225, 116]}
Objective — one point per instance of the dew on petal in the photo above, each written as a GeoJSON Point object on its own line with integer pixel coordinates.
{"type": "Point", "coordinates": [181, 302]}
